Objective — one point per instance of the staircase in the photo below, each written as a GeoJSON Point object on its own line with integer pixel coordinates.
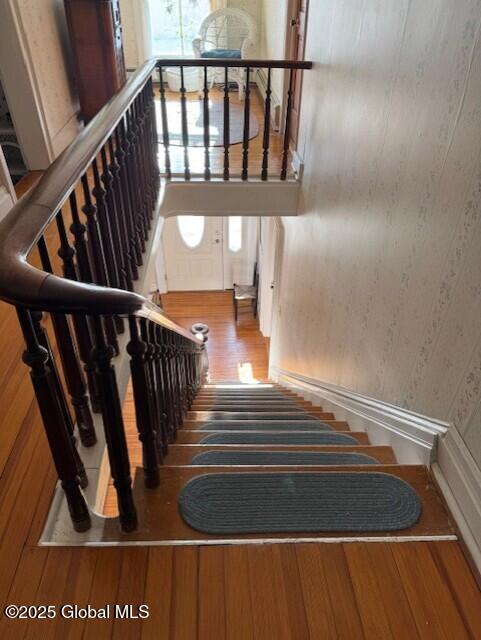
{"type": "Point", "coordinates": [236, 433]}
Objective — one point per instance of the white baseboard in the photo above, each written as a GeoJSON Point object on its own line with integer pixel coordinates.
{"type": "Point", "coordinates": [412, 436]}
{"type": "Point", "coordinates": [459, 479]}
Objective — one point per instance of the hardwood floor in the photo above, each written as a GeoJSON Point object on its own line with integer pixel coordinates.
{"type": "Point", "coordinates": [235, 350]}
{"type": "Point", "coordinates": [416, 590]}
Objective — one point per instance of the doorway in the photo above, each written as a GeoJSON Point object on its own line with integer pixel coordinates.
{"type": "Point", "coordinates": [297, 31]}
{"type": "Point", "coordinates": [203, 253]}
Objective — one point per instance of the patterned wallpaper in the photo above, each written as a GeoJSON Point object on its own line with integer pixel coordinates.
{"type": "Point", "coordinates": [382, 273]}
{"type": "Point", "coordinates": [44, 26]}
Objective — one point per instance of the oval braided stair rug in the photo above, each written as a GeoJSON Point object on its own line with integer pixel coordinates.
{"type": "Point", "coordinates": [238, 503]}
{"type": "Point", "coordinates": [279, 458]}
{"type": "Point", "coordinates": [259, 415]}
{"type": "Point", "coordinates": [253, 407]}
{"type": "Point", "coordinates": [240, 437]}
{"type": "Point", "coordinates": [266, 425]}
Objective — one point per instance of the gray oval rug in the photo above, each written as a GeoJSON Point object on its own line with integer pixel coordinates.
{"type": "Point", "coordinates": [242, 437]}
{"type": "Point", "coordinates": [236, 503]}
{"type": "Point", "coordinates": [265, 425]}
{"type": "Point", "coordinates": [279, 458]}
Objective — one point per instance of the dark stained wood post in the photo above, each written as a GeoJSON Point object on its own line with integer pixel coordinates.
{"type": "Point", "coordinates": [226, 125]}
{"type": "Point", "coordinates": [185, 126]}
{"type": "Point", "coordinates": [114, 427]}
{"type": "Point", "coordinates": [97, 254]}
{"type": "Point", "coordinates": [68, 356]}
{"type": "Point", "coordinates": [129, 264]}
{"type": "Point", "coordinates": [206, 126]}
{"type": "Point", "coordinates": [247, 116]}
{"type": "Point", "coordinates": [165, 125]}
{"type": "Point", "coordinates": [287, 129]}
{"type": "Point", "coordinates": [83, 272]}
{"type": "Point", "coordinates": [116, 228]}
{"type": "Point", "coordinates": [137, 350]}
{"type": "Point", "coordinates": [121, 154]}
{"type": "Point", "coordinates": [267, 127]}
{"type": "Point", "coordinates": [163, 435]}
{"type": "Point", "coordinates": [59, 438]}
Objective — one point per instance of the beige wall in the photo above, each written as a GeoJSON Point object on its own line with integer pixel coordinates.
{"type": "Point", "coordinates": [37, 78]}
{"type": "Point", "coordinates": [273, 37]}
{"type": "Point", "coordinates": [382, 273]}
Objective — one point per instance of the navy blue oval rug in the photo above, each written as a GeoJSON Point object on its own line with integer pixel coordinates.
{"type": "Point", "coordinates": [279, 458]}
{"type": "Point", "coordinates": [289, 502]}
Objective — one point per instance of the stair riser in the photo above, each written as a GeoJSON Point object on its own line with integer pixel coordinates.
{"type": "Point", "coordinates": [183, 454]}
{"type": "Point", "coordinates": [194, 437]}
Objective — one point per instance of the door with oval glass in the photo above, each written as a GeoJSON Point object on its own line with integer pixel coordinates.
{"type": "Point", "coordinates": [193, 253]}
{"type": "Point", "coordinates": [202, 253]}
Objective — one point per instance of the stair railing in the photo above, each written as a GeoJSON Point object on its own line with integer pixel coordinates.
{"type": "Point", "coordinates": [71, 251]}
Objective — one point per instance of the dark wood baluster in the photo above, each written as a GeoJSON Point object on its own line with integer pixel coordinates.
{"type": "Point", "coordinates": [81, 323]}
{"type": "Point", "coordinates": [147, 184]}
{"type": "Point", "coordinates": [97, 254]}
{"type": "Point", "coordinates": [176, 381]}
{"type": "Point", "coordinates": [247, 116]}
{"type": "Point", "coordinates": [113, 216]}
{"type": "Point", "coordinates": [106, 235]}
{"type": "Point", "coordinates": [128, 260]}
{"type": "Point", "coordinates": [185, 127]}
{"type": "Point", "coordinates": [165, 125]}
{"type": "Point", "coordinates": [226, 125]}
{"type": "Point", "coordinates": [206, 127]}
{"type": "Point", "coordinates": [141, 182]}
{"type": "Point", "coordinates": [154, 142]}
{"type": "Point", "coordinates": [267, 128]}
{"type": "Point", "coordinates": [44, 342]}
{"type": "Point", "coordinates": [287, 128]}
{"type": "Point", "coordinates": [163, 435]}
{"type": "Point", "coordinates": [121, 155]}
{"type": "Point", "coordinates": [59, 438]}
{"type": "Point", "coordinates": [153, 382]}
{"type": "Point", "coordinates": [133, 181]}
{"type": "Point", "coordinates": [147, 153]}
{"type": "Point", "coordinates": [114, 427]}
{"type": "Point", "coordinates": [137, 349]}
{"type": "Point", "coordinates": [168, 382]}
{"type": "Point", "coordinates": [68, 355]}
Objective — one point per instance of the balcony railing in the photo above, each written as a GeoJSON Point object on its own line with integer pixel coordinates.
{"type": "Point", "coordinates": [72, 249]}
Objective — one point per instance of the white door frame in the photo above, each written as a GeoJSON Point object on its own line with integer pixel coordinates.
{"type": "Point", "coordinates": [274, 354]}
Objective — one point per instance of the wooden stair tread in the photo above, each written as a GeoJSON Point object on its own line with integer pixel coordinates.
{"type": "Point", "coordinates": [182, 454]}
{"type": "Point", "coordinates": [159, 517]}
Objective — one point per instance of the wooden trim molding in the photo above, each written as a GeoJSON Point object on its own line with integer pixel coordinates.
{"type": "Point", "coordinates": [414, 437]}
{"type": "Point", "coordinates": [459, 479]}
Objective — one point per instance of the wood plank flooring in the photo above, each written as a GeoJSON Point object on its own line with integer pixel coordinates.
{"type": "Point", "coordinates": [352, 591]}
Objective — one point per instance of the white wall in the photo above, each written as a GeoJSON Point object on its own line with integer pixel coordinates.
{"type": "Point", "coordinates": [273, 39]}
{"type": "Point", "coordinates": [37, 79]}
{"type": "Point", "coordinates": [381, 287]}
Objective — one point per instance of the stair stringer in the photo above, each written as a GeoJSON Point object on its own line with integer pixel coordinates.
{"type": "Point", "coordinates": [413, 437]}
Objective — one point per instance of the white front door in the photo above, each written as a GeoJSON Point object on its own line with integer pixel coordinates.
{"type": "Point", "coordinates": [193, 253]}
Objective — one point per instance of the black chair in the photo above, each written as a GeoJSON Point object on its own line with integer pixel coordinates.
{"type": "Point", "coordinates": [247, 292]}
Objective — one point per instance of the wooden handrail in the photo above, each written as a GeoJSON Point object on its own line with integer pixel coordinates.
{"type": "Point", "coordinates": [235, 62]}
